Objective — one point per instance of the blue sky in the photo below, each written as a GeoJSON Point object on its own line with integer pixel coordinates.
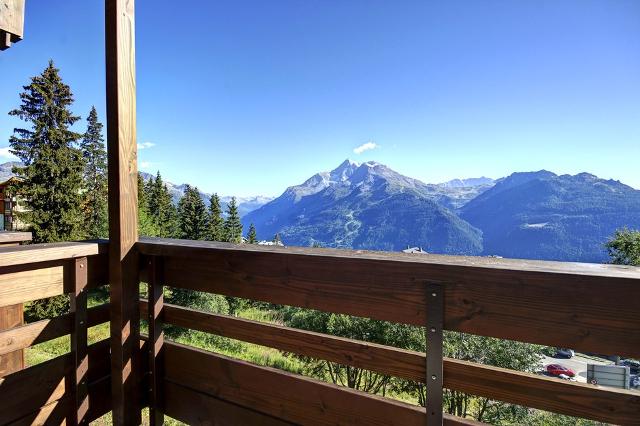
{"type": "Point", "coordinates": [249, 97]}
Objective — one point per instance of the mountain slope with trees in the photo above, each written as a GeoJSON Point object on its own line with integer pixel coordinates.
{"type": "Point", "coordinates": [541, 215]}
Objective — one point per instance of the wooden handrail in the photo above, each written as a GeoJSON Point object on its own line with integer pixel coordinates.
{"type": "Point", "coordinates": [581, 306]}
{"type": "Point", "coordinates": [36, 253]}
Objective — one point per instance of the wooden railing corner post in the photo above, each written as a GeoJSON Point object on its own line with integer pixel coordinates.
{"type": "Point", "coordinates": [123, 210]}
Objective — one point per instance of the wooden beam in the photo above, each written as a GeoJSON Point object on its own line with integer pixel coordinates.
{"type": "Point", "coordinates": [156, 340]}
{"type": "Point", "coordinates": [29, 255]}
{"type": "Point", "coordinates": [284, 395]}
{"type": "Point", "coordinates": [123, 208]}
{"type": "Point", "coordinates": [603, 404]}
{"type": "Point", "coordinates": [508, 299]}
{"type": "Point", "coordinates": [79, 344]}
{"type": "Point", "coordinates": [41, 331]}
{"type": "Point", "coordinates": [25, 286]}
{"type": "Point", "coordinates": [12, 17]}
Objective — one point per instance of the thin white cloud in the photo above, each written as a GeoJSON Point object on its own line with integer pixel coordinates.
{"type": "Point", "coordinates": [146, 165]}
{"type": "Point", "coordinates": [146, 145]}
{"type": "Point", "coordinates": [365, 147]}
{"type": "Point", "coordinates": [5, 154]}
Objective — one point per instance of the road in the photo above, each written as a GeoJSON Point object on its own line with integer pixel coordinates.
{"type": "Point", "coordinates": [578, 364]}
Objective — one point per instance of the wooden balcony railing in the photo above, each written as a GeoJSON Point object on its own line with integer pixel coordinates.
{"type": "Point", "coordinates": [585, 307]}
{"type": "Point", "coordinates": [558, 304]}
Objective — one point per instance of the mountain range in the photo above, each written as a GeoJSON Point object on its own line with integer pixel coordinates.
{"type": "Point", "coordinates": [531, 215]}
{"type": "Point", "coordinates": [536, 215]}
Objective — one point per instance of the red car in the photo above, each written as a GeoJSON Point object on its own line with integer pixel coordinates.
{"type": "Point", "coordinates": [557, 369]}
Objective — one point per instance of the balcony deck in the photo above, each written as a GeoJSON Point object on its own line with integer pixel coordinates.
{"type": "Point", "coordinates": [511, 299]}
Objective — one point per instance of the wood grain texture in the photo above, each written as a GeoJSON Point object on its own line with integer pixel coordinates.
{"type": "Point", "coordinates": [196, 408]}
{"type": "Point", "coordinates": [11, 360]}
{"type": "Point", "coordinates": [570, 398]}
{"type": "Point", "coordinates": [26, 391]}
{"type": "Point", "coordinates": [510, 299]}
{"type": "Point", "coordinates": [60, 412]}
{"type": "Point", "coordinates": [14, 237]}
{"type": "Point", "coordinates": [44, 330]}
{"type": "Point", "coordinates": [283, 395]}
{"type": "Point", "coordinates": [38, 253]}
{"type": "Point", "coordinates": [154, 315]}
{"type": "Point", "coordinates": [12, 18]}
{"type": "Point", "coordinates": [25, 286]}
{"type": "Point", "coordinates": [123, 207]}
{"type": "Point", "coordinates": [79, 341]}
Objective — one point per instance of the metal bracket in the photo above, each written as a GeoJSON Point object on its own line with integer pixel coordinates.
{"type": "Point", "coordinates": [434, 333]}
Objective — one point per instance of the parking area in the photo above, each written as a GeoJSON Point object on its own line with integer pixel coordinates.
{"type": "Point", "coordinates": [578, 364]}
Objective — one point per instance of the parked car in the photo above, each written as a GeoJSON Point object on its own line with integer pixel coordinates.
{"type": "Point", "coordinates": [634, 366]}
{"type": "Point", "coordinates": [565, 377]}
{"type": "Point", "coordinates": [557, 370]}
{"type": "Point", "coordinates": [564, 353]}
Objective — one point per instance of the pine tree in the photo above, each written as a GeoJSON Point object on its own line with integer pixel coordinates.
{"type": "Point", "coordinates": [146, 224]}
{"type": "Point", "coordinates": [192, 215]}
{"type": "Point", "coordinates": [168, 214]}
{"type": "Point", "coordinates": [232, 225]}
{"type": "Point", "coordinates": [161, 208]}
{"type": "Point", "coordinates": [51, 179]}
{"type": "Point", "coordinates": [94, 203]}
{"type": "Point", "coordinates": [216, 222]}
{"type": "Point", "coordinates": [252, 238]}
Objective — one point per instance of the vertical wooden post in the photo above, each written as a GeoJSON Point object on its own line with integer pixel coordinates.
{"type": "Point", "coordinates": [435, 325]}
{"type": "Point", "coordinates": [123, 209]}
{"type": "Point", "coordinates": [79, 339]}
{"type": "Point", "coordinates": [156, 340]}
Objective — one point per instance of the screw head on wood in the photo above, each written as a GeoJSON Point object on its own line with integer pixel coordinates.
{"type": "Point", "coordinates": [433, 377]}
{"type": "Point", "coordinates": [433, 330]}
{"type": "Point", "coordinates": [433, 294]}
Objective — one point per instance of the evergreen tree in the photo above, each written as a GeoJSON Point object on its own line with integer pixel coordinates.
{"type": "Point", "coordinates": [232, 225]}
{"type": "Point", "coordinates": [192, 214]}
{"type": "Point", "coordinates": [95, 179]}
{"type": "Point", "coordinates": [51, 180]}
{"type": "Point", "coordinates": [161, 208]}
{"type": "Point", "coordinates": [252, 238]}
{"type": "Point", "coordinates": [146, 225]}
{"type": "Point", "coordinates": [216, 222]}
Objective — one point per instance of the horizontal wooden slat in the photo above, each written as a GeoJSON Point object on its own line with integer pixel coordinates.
{"type": "Point", "coordinates": [287, 396]}
{"type": "Point", "coordinates": [571, 398]}
{"type": "Point", "coordinates": [24, 255]}
{"type": "Point", "coordinates": [41, 331]}
{"type": "Point", "coordinates": [519, 300]}
{"type": "Point", "coordinates": [61, 411]}
{"type": "Point", "coordinates": [615, 406]}
{"type": "Point", "coordinates": [383, 359]}
{"type": "Point", "coordinates": [14, 237]}
{"type": "Point", "coordinates": [25, 286]}
{"type": "Point", "coordinates": [26, 391]}
{"type": "Point", "coordinates": [195, 408]}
